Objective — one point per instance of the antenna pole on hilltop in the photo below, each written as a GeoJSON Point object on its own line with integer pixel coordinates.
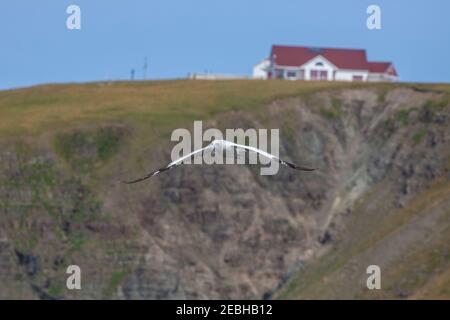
{"type": "Point", "coordinates": [144, 68]}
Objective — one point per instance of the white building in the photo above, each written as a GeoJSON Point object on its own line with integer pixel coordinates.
{"type": "Point", "coordinates": [260, 70]}
{"type": "Point", "coordinates": [215, 76]}
{"type": "Point", "coordinates": [327, 64]}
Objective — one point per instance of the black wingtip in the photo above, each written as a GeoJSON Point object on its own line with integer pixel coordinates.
{"type": "Point", "coordinates": [135, 181]}
{"type": "Point", "coordinates": [141, 179]}
{"type": "Point", "coordinates": [297, 167]}
{"type": "Point", "coordinates": [151, 174]}
{"type": "Point", "coordinates": [130, 182]}
{"type": "Point", "coordinates": [307, 169]}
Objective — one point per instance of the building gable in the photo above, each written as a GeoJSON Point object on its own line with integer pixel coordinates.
{"type": "Point", "coordinates": [319, 62]}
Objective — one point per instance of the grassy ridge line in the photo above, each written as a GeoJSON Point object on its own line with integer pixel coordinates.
{"type": "Point", "coordinates": [160, 104]}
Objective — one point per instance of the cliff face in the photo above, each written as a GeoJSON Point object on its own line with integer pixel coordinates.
{"type": "Point", "coordinates": [381, 197]}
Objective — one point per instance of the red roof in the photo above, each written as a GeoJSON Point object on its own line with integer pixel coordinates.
{"type": "Point", "coordinates": [354, 59]}
{"type": "Point", "coordinates": [382, 67]}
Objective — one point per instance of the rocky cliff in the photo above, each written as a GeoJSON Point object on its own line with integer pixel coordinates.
{"type": "Point", "coordinates": [381, 195]}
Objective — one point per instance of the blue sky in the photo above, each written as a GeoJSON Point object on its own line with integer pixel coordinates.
{"type": "Point", "coordinates": [227, 36]}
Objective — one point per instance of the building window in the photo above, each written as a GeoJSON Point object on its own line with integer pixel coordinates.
{"type": "Point", "coordinates": [291, 74]}
{"type": "Point", "coordinates": [357, 78]}
{"type": "Point", "coordinates": [279, 73]}
{"type": "Point", "coordinates": [319, 75]}
{"type": "Point", "coordinates": [319, 64]}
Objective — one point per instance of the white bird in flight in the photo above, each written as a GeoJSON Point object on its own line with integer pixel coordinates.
{"type": "Point", "coordinates": [220, 146]}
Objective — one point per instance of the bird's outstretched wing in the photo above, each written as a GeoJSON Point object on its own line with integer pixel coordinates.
{"type": "Point", "coordinates": [171, 165]}
{"type": "Point", "coordinates": [271, 156]}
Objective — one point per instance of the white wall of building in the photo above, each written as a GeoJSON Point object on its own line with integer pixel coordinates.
{"type": "Point", "coordinates": [347, 75]}
{"type": "Point", "coordinates": [319, 64]}
{"type": "Point", "coordinates": [214, 76]}
{"type": "Point", "coordinates": [381, 77]}
{"type": "Point", "coordinates": [260, 70]}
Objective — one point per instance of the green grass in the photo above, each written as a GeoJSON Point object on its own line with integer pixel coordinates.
{"type": "Point", "coordinates": [435, 106]}
{"type": "Point", "coordinates": [115, 281]}
{"type": "Point", "coordinates": [159, 104]}
{"type": "Point", "coordinates": [84, 149]}
{"type": "Point", "coordinates": [329, 113]}
{"type": "Point", "coordinates": [418, 136]}
{"type": "Point", "coordinates": [288, 133]}
{"type": "Point", "coordinates": [26, 244]}
{"type": "Point", "coordinates": [40, 193]}
{"type": "Point", "coordinates": [55, 291]}
{"type": "Point", "coordinates": [77, 243]}
{"type": "Point", "coordinates": [403, 115]}
{"type": "Point", "coordinates": [432, 106]}
{"type": "Point", "coordinates": [381, 98]}
{"type": "Point", "coordinates": [333, 112]}
{"type": "Point", "coordinates": [336, 103]}
{"type": "Point", "coordinates": [117, 278]}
